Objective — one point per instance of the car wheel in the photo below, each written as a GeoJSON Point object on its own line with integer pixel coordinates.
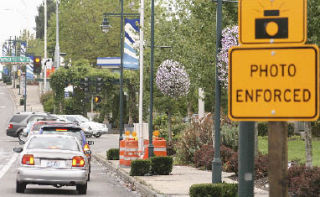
{"type": "Point", "coordinates": [82, 189]}
{"type": "Point", "coordinates": [21, 137]}
{"type": "Point", "coordinates": [88, 176]}
{"type": "Point", "coordinates": [97, 135]}
{"type": "Point", "coordinates": [88, 135]}
{"type": "Point", "coordinates": [20, 187]}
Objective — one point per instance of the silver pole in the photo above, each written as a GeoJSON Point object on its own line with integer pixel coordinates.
{"type": "Point", "coordinates": [45, 46]}
{"type": "Point", "coordinates": [141, 77]}
{"type": "Point", "coordinates": [57, 49]}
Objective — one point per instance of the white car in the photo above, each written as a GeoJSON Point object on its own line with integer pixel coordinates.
{"type": "Point", "coordinates": [56, 160]}
{"type": "Point", "coordinates": [96, 129]}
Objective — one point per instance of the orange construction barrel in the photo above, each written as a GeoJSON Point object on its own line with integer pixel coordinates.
{"type": "Point", "coordinates": [131, 152]}
{"type": "Point", "coordinates": [121, 152]}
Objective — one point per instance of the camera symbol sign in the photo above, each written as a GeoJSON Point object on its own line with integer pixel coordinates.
{"type": "Point", "coordinates": [272, 21]}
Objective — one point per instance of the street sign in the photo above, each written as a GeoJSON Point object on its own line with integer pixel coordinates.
{"type": "Point", "coordinates": [276, 21]}
{"type": "Point", "coordinates": [274, 83]}
{"type": "Point", "coordinates": [15, 59]}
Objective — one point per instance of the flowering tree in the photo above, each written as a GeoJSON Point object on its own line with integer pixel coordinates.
{"type": "Point", "coordinates": [229, 39]}
{"type": "Point", "coordinates": [172, 79]}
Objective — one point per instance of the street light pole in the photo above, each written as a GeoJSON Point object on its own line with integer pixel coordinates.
{"type": "Point", "coordinates": [216, 163]}
{"type": "Point", "coordinates": [150, 146]}
{"type": "Point", "coordinates": [121, 74]}
{"type": "Point", "coordinates": [57, 49]}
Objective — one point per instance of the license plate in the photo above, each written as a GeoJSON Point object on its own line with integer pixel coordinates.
{"type": "Point", "coordinates": [53, 163]}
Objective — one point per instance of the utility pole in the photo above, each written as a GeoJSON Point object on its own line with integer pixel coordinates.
{"type": "Point", "coordinates": [57, 49]}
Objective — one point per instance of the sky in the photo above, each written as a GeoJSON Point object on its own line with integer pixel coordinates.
{"type": "Point", "coordinates": [16, 15]}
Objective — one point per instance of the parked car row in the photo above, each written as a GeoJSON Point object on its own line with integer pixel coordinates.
{"type": "Point", "coordinates": [55, 151]}
{"type": "Point", "coordinates": [23, 122]}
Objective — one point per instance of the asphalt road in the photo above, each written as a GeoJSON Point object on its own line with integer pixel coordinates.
{"type": "Point", "coordinates": [103, 182]}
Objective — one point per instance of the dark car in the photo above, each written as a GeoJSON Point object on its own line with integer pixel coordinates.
{"type": "Point", "coordinates": [20, 120]}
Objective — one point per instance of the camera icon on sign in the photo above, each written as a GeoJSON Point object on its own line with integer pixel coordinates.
{"type": "Point", "coordinates": [272, 26]}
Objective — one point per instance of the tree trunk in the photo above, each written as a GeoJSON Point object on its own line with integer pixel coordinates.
{"type": "Point", "coordinates": [308, 143]}
{"type": "Point", "coordinates": [169, 128]}
{"type": "Point", "coordinates": [131, 104]}
{"type": "Point", "coordinates": [189, 109]}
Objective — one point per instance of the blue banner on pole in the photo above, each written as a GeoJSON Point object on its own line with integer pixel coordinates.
{"type": "Point", "coordinates": [131, 41]}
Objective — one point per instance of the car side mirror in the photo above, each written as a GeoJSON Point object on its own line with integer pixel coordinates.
{"type": "Point", "coordinates": [18, 149]}
{"type": "Point", "coordinates": [90, 142]}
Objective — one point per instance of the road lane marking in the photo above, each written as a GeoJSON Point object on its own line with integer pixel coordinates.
{"type": "Point", "coordinates": [4, 170]}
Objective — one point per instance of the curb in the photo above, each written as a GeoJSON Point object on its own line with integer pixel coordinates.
{"type": "Point", "coordinates": [140, 187]}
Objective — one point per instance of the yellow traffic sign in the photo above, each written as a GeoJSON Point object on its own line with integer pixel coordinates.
{"type": "Point", "coordinates": [274, 83]}
{"type": "Point", "coordinates": [272, 21]}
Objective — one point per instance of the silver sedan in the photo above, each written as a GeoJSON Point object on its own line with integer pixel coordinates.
{"type": "Point", "coordinates": [56, 160]}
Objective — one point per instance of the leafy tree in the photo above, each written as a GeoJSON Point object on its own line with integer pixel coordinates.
{"type": "Point", "coordinates": [51, 8]}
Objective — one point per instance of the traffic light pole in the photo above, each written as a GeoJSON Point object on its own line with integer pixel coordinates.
{"type": "Point", "coordinates": [25, 91]}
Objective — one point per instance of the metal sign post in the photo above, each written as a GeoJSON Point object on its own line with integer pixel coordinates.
{"type": "Point", "coordinates": [273, 76]}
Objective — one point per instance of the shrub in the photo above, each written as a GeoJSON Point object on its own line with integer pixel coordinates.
{"type": "Point", "coordinates": [261, 166]}
{"type": "Point", "coordinates": [262, 129]}
{"type": "Point", "coordinates": [304, 181]}
{"type": "Point", "coordinates": [232, 164]}
{"type": "Point", "coordinates": [229, 136]}
{"type": "Point", "coordinates": [197, 134]}
{"type": "Point", "coordinates": [113, 154]}
{"type": "Point", "coordinates": [161, 165]}
{"type": "Point", "coordinates": [290, 129]}
{"type": "Point", "coordinates": [140, 167]}
{"type": "Point", "coordinates": [204, 156]}
{"type": "Point", "coordinates": [315, 128]}
{"type": "Point", "coordinates": [21, 101]}
{"type": "Point", "coordinates": [213, 190]}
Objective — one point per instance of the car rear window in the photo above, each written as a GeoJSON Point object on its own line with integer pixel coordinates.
{"type": "Point", "coordinates": [74, 134]}
{"type": "Point", "coordinates": [18, 118]}
{"type": "Point", "coordinates": [61, 143]}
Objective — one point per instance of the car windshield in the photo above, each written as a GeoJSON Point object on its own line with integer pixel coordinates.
{"type": "Point", "coordinates": [55, 142]}
{"type": "Point", "coordinates": [82, 119]}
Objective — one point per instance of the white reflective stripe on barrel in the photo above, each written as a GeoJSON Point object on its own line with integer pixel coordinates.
{"type": "Point", "coordinates": [160, 149]}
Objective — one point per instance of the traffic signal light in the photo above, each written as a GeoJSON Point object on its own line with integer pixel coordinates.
{"type": "Point", "coordinates": [97, 99]}
{"type": "Point", "coordinates": [99, 84]}
{"type": "Point", "coordinates": [85, 82]}
{"type": "Point", "coordinates": [37, 65]}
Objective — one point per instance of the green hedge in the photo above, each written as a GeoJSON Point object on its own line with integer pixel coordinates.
{"type": "Point", "coordinates": [113, 154]}
{"type": "Point", "coordinates": [214, 190]}
{"type": "Point", "coordinates": [161, 165]}
{"type": "Point", "coordinates": [140, 167]}
{"type": "Point", "coordinates": [21, 101]}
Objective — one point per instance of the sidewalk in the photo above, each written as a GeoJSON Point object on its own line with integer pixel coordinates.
{"type": "Point", "coordinates": [176, 184]}
{"type": "Point", "coordinates": [33, 98]}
